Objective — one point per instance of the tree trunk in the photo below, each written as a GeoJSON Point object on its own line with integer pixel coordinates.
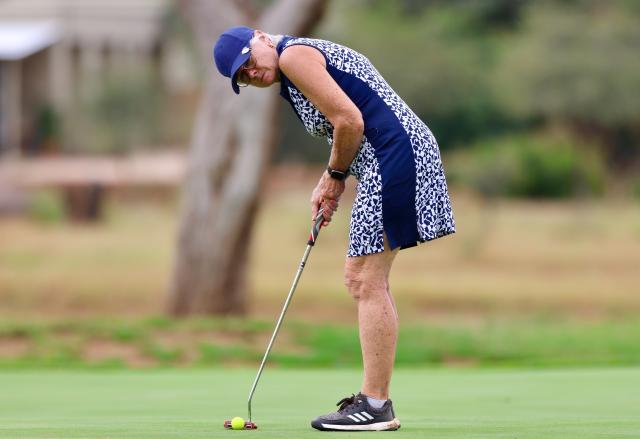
{"type": "Point", "coordinates": [233, 141]}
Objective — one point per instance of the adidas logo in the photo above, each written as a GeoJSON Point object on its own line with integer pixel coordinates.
{"type": "Point", "coordinates": [360, 417]}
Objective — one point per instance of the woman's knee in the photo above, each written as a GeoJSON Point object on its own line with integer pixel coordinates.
{"type": "Point", "coordinates": [364, 284]}
{"type": "Point", "coordinates": [353, 282]}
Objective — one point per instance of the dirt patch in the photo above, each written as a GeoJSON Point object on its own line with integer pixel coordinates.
{"type": "Point", "coordinates": [14, 347]}
{"type": "Point", "coordinates": [174, 339]}
{"type": "Point", "coordinates": [98, 351]}
{"type": "Point", "coordinates": [189, 342]}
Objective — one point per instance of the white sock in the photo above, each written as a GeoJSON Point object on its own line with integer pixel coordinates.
{"type": "Point", "coordinates": [376, 403]}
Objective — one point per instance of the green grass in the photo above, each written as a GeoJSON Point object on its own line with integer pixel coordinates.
{"type": "Point", "coordinates": [576, 403]}
{"type": "Point", "coordinates": [199, 342]}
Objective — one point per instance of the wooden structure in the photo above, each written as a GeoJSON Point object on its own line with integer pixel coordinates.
{"type": "Point", "coordinates": [55, 54]}
{"type": "Point", "coordinates": [86, 180]}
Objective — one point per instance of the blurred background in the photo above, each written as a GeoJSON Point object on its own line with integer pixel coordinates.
{"type": "Point", "coordinates": [123, 243]}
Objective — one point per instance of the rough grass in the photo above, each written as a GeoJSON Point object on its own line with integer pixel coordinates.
{"type": "Point", "coordinates": [570, 258]}
{"type": "Point", "coordinates": [469, 404]}
{"type": "Point", "coordinates": [507, 257]}
{"type": "Point", "coordinates": [161, 342]}
{"type": "Point", "coordinates": [521, 283]}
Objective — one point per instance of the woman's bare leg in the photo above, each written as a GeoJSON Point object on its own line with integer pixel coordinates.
{"type": "Point", "coordinates": [367, 278]}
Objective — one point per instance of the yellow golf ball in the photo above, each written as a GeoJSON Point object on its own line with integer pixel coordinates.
{"type": "Point", "coordinates": [237, 423]}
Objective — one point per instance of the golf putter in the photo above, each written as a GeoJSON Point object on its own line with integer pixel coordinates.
{"type": "Point", "coordinates": [315, 230]}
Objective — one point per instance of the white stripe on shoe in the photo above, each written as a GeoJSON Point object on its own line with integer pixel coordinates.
{"type": "Point", "coordinates": [353, 418]}
{"type": "Point", "coordinates": [379, 426]}
{"type": "Point", "coordinates": [359, 416]}
{"type": "Point", "coordinates": [369, 417]}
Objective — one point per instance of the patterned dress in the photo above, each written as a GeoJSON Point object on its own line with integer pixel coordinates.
{"type": "Point", "coordinates": [401, 191]}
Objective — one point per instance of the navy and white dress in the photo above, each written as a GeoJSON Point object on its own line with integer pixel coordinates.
{"type": "Point", "coordinates": [401, 188]}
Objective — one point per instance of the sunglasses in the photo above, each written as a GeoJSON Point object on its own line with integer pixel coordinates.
{"type": "Point", "coordinates": [242, 76]}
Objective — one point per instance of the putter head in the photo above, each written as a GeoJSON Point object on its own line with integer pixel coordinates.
{"type": "Point", "coordinates": [248, 425]}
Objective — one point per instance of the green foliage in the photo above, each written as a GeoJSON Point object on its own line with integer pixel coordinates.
{"type": "Point", "coordinates": [476, 70]}
{"type": "Point", "coordinates": [526, 166]}
{"type": "Point", "coordinates": [47, 206]}
{"type": "Point", "coordinates": [126, 333]}
{"type": "Point", "coordinates": [636, 190]}
{"type": "Point", "coordinates": [573, 64]}
{"type": "Point", "coordinates": [47, 126]}
{"type": "Point", "coordinates": [21, 330]}
{"type": "Point", "coordinates": [215, 355]}
{"type": "Point", "coordinates": [162, 355]}
{"type": "Point", "coordinates": [484, 15]}
{"type": "Point", "coordinates": [436, 60]}
{"type": "Point", "coordinates": [328, 346]}
{"type": "Point", "coordinates": [125, 112]}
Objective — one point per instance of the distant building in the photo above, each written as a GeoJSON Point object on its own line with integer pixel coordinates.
{"type": "Point", "coordinates": [53, 53]}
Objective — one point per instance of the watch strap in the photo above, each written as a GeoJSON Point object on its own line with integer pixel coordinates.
{"type": "Point", "coordinates": [338, 175]}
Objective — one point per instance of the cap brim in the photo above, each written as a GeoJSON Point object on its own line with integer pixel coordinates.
{"type": "Point", "coordinates": [241, 59]}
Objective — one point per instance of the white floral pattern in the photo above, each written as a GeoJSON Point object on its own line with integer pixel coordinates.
{"type": "Point", "coordinates": [434, 215]}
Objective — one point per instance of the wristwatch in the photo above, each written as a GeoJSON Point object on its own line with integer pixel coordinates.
{"type": "Point", "coordinates": [338, 175]}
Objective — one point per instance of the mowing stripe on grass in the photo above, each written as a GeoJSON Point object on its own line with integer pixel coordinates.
{"type": "Point", "coordinates": [440, 403]}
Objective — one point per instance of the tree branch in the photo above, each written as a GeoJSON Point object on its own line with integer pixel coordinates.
{"type": "Point", "coordinates": [285, 17]}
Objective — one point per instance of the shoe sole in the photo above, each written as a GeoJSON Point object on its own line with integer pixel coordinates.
{"type": "Point", "coordinates": [378, 426]}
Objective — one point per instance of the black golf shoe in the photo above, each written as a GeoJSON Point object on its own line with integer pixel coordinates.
{"type": "Point", "coordinates": [355, 414]}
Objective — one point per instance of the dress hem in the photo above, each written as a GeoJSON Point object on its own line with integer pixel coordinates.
{"type": "Point", "coordinates": [440, 234]}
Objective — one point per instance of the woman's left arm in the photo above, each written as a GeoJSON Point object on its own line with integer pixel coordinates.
{"type": "Point", "coordinates": [305, 66]}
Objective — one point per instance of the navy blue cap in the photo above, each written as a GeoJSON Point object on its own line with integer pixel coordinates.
{"type": "Point", "coordinates": [231, 51]}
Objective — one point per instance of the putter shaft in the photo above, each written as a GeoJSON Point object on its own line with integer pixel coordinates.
{"type": "Point", "coordinates": [312, 238]}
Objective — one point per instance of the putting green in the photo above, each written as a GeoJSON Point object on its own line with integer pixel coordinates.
{"type": "Point", "coordinates": [431, 403]}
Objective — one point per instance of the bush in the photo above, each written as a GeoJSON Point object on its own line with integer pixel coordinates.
{"type": "Point", "coordinates": [636, 190]}
{"type": "Point", "coordinates": [447, 80]}
{"type": "Point", "coordinates": [124, 113]}
{"type": "Point", "coordinates": [47, 207]}
{"type": "Point", "coordinates": [525, 166]}
{"type": "Point", "coordinates": [573, 64]}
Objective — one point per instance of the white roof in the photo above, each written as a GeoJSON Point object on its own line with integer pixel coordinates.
{"type": "Point", "coordinates": [19, 39]}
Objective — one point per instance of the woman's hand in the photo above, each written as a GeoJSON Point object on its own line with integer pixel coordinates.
{"type": "Point", "coordinates": [326, 195]}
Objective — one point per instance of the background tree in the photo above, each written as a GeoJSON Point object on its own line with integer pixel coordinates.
{"type": "Point", "coordinates": [231, 146]}
{"type": "Point", "coordinates": [578, 68]}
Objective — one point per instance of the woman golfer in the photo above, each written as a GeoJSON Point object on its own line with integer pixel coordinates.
{"type": "Point", "coordinates": [401, 199]}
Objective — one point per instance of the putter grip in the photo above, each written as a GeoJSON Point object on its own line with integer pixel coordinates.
{"type": "Point", "coordinates": [315, 230]}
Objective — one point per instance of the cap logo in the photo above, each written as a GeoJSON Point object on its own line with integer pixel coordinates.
{"type": "Point", "coordinates": [245, 50]}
